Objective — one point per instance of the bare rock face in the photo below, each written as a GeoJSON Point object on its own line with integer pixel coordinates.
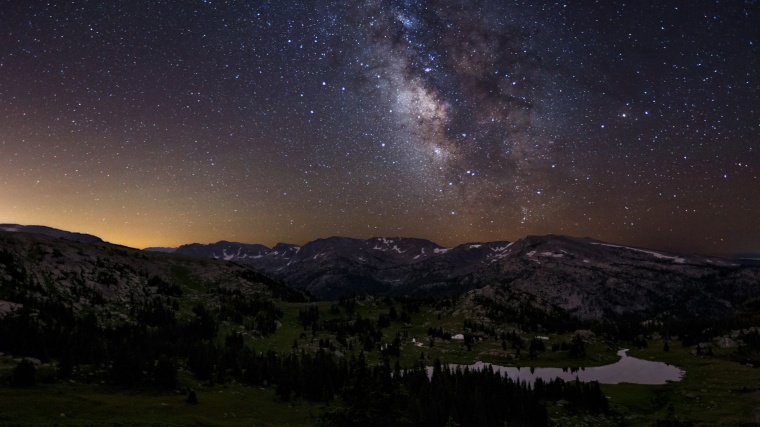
{"type": "Point", "coordinates": [725, 342]}
{"type": "Point", "coordinates": [585, 334]}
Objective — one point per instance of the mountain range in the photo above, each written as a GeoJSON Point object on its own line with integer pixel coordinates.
{"type": "Point", "coordinates": [339, 266]}
{"type": "Point", "coordinates": [585, 277]}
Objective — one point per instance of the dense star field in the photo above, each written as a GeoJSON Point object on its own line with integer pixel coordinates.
{"type": "Point", "coordinates": [156, 123]}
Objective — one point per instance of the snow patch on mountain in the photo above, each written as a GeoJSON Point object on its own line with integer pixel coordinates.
{"type": "Point", "coordinates": [502, 248]}
{"type": "Point", "coordinates": [499, 252]}
{"type": "Point", "coordinates": [551, 254]}
{"type": "Point", "coordinates": [676, 259]}
{"type": "Point", "coordinates": [727, 264]}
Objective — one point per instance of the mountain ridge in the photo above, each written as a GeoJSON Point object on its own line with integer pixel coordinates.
{"type": "Point", "coordinates": [52, 232]}
{"type": "Point", "coordinates": [583, 276]}
{"type": "Point", "coordinates": [108, 278]}
{"type": "Point", "coordinates": [109, 315]}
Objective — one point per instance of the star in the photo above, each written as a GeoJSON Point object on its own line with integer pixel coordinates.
{"type": "Point", "coordinates": [157, 125]}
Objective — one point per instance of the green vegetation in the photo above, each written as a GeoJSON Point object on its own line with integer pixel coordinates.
{"type": "Point", "coordinates": [88, 404]}
{"type": "Point", "coordinates": [714, 391]}
{"type": "Point", "coordinates": [241, 349]}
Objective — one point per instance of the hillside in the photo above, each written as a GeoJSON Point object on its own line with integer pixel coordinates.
{"type": "Point", "coordinates": [49, 231]}
{"type": "Point", "coordinates": [110, 280]}
{"type": "Point", "coordinates": [104, 334]}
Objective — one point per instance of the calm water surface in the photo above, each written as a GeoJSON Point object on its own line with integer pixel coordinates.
{"type": "Point", "coordinates": [626, 370]}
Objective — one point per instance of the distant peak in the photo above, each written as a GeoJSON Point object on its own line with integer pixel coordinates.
{"type": "Point", "coordinates": [160, 249]}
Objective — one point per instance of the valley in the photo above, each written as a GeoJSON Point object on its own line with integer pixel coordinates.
{"type": "Point", "coordinates": [111, 335]}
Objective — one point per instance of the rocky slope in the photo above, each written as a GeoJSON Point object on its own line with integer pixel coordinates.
{"type": "Point", "coordinates": [111, 279]}
{"type": "Point", "coordinates": [594, 279]}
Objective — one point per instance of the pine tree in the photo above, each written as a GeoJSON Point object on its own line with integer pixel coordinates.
{"type": "Point", "coordinates": [65, 365]}
{"type": "Point", "coordinates": [577, 348]}
{"type": "Point", "coordinates": [24, 374]}
{"type": "Point", "coordinates": [165, 373]}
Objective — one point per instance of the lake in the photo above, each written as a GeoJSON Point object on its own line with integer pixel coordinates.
{"type": "Point", "coordinates": [626, 370]}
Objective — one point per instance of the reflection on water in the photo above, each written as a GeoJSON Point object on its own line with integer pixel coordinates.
{"type": "Point", "coordinates": [626, 370]}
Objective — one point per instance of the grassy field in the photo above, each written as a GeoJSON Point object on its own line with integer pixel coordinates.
{"type": "Point", "coordinates": [96, 404]}
{"type": "Point", "coordinates": [100, 405]}
{"type": "Point", "coordinates": [416, 341]}
{"type": "Point", "coordinates": [714, 390]}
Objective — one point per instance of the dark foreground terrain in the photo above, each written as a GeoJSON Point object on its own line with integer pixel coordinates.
{"type": "Point", "coordinates": [97, 334]}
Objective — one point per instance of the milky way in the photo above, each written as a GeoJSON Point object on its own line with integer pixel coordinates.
{"type": "Point", "coordinates": [160, 123]}
{"type": "Point", "coordinates": [465, 88]}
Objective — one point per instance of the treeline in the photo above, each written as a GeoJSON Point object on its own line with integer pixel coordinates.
{"type": "Point", "coordinates": [354, 331]}
{"type": "Point", "coordinates": [150, 355]}
{"type": "Point", "coordinates": [49, 329]}
{"type": "Point", "coordinates": [143, 346]}
{"type": "Point", "coordinates": [259, 314]}
{"type": "Point", "coordinates": [380, 396]}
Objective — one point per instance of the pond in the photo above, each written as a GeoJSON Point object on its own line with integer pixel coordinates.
{"type": "Point", "coordinates": [626, 370]}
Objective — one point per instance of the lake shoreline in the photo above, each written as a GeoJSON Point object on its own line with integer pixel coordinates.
{"type": "Point", "coordinates": [626, 370]}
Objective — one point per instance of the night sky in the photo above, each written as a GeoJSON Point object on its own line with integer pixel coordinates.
{"type": "Point", "coordinates": [158, 123]}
